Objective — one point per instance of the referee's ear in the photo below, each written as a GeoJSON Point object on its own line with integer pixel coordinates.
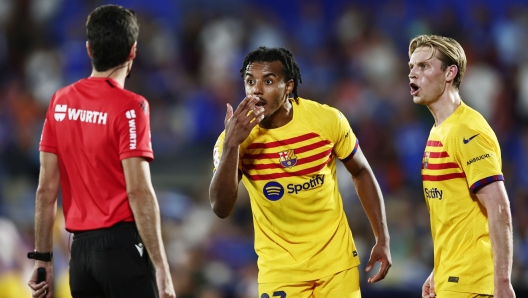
{"type": "Point", "coordinates": [132, 54]}
{"type": "Point", "coordinates": [88, 50]}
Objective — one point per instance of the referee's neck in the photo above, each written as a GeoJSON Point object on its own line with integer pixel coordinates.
{"type": "Point", "coordinates": [117, 73]}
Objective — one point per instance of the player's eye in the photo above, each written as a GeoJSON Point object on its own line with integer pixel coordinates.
{"type": "Point", "coordinates": [269, 82]}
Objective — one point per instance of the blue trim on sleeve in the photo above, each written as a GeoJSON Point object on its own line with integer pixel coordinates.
{"type": "Point", "coordinates": [353, 152]}
{"type": "Point", "coordinates": [483, 182]}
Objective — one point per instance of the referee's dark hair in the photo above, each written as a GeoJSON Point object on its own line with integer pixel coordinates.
{"type": "Point", "coordinates": [289, 66]}
{"type": "Point", "coordinates": [111, 31]}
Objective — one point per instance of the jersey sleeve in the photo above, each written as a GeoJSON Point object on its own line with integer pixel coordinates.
{"type": "Point", "coordinates": [48, 141]}
{"type": "Point", "coordinates": [344, 139]}
{"type": "Point", "coordinates": [479, 156]}
{"type": "Point", "coordinates": [217, 151]}
{"type": "Point", "coordinates": [133, 127]}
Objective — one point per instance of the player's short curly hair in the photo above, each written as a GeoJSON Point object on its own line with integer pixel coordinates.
{"type": "Point", "coordinates": [446, 49]}
{"type": "Point", "coordinates": [289, 66]}
{"type": "Point", "coordinates": [111, 31]}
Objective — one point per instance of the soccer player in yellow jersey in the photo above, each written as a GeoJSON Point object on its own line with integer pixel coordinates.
{"type": "Point", "coordinates": [285, 150]}
{"type": "Point", "coordinates": [462, 179]}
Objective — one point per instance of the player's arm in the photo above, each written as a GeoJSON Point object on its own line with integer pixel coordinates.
{"type": "Point", "coordinates": [145, 208]}
{"type": "Point", "coordinates": [224, 184]}
{"type": "Point", "coordinates": [495, 199]}
{"type": "Point", "coordinates": [371, 198]}
{"type": "Point", "coordinates": [45, 210]}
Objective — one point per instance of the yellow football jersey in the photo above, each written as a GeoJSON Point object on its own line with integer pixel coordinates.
{"type": "Point", "coordinates": [301, 230]}
{"type": "Point", "coordinates": [461, 156]}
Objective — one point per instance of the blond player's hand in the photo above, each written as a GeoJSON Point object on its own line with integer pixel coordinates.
{"type": "Point", "coordinates": [504, 290]}
{"type": "Point", "coordinates": [428, 288]}
{"type": "Point", "coordinates": [238, 124]}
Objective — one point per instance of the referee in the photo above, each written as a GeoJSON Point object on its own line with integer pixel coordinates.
{"type": "Point", "coordinates": [96, 145]}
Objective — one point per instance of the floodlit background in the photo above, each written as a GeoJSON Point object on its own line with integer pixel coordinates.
{"type": "Point", "coordinates": [352, 55]}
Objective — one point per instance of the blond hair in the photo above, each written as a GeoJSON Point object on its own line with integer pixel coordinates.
{"type": "Point", "coordinates": [446, 49]}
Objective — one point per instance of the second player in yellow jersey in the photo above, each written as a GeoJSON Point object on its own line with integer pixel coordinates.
{"type": "Point", "coordinates": [301, 230]}
{"type": "Point", "coordinates": [285, 151]}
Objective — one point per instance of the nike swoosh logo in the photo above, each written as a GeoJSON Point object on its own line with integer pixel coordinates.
{"type": "Point", "coordinates": [467, 140]}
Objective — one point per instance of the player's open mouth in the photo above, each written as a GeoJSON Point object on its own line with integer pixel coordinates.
{"type": "Point", "coordinates": [260, 103]}
{"type": "Point", "coordinates": [414, 88]}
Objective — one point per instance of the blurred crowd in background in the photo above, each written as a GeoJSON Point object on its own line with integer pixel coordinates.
{"type": "Point", "coordinates": [352, 55]}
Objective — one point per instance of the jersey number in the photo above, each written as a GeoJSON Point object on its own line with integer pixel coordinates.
{"type": "Point", "coordinates": [280, 294]}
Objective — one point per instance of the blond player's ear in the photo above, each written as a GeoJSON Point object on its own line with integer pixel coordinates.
{"type": "Point", "coordinates": [451, 73]}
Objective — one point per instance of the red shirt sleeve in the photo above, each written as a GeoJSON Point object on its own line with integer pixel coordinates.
{"type": "Point", "coordinates": [134, 131]}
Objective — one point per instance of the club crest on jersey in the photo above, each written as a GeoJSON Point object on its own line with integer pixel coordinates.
{"type": "Point", "coordinates": [287, 158]}
{"type": "Point", "coordinates": [426, 159]}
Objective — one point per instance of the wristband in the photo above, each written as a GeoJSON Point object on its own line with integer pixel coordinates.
{"type": "Point", "coordinates": [40, 256]}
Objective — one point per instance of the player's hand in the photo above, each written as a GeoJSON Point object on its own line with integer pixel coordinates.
{"type": "Point", "coordinates": [379, 253]}
{"type": "Point", "coordinates": [428, 288]}
{"type": "Point", "coordinates": [504, 290]}
{"type": "Point", "coordinates": [164, 283]}
{"type": "Point", "coordinates": [238, 124]}
{"type": "Point", "coordinates": [45, 288]}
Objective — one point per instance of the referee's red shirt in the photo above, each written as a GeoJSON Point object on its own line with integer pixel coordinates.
{"type": "Point", "coordinates": [91, 126]}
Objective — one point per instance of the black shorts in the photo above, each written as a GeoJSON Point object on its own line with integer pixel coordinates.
{"type": "Point", "coordinates": [111, 263]}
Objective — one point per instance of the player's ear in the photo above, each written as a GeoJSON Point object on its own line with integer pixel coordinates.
{"type": "Point", "coordinates": [88, 50]}
{"type": "Point", "coordinates": [451, 73]}
{"type": "Point", "coordinates": [132, 54]}
{"type": "Point", "coordinates": [289, 86]}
